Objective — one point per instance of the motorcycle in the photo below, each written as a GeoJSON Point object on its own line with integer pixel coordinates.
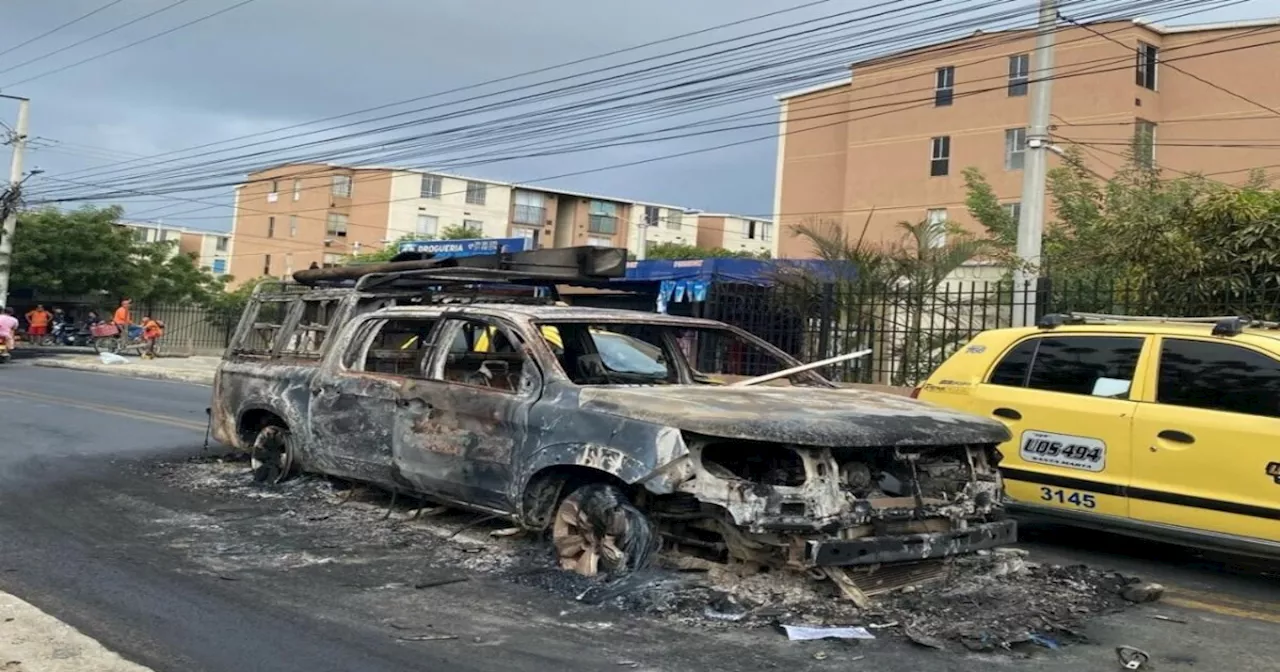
{"type": "Point", "coordinates": [65, 333]}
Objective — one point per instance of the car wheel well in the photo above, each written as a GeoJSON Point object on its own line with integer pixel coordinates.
{"type": "Point", "coordinates": [549, 486]}
{"type": "Point", "coordinates": [253, 421]}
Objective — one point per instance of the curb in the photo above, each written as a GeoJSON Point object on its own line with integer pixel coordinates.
{"type": "Point", "coordinates": [179, 376]}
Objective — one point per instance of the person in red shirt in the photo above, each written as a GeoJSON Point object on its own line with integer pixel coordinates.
{"type": "Point", "coordinates": [38, 324]}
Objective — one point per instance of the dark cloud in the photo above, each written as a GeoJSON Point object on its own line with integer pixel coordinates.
{"type": "Point", "coordinates": [276, 63]}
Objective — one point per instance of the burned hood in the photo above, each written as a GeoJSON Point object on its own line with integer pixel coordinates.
{"type": "Point", "coordinates": [799, 415]}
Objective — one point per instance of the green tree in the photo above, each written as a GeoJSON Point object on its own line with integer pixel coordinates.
{"type": "Point", "coordinates": [86, 252]}
{"type": "Point", "coordinates": [679, 251]}
{"type": "Point", "coordinates": [460, 232]}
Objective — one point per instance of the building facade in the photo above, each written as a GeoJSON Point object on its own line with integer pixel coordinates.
{"type": "Point", "coordinates": [289, 217]}
{"type": "Point", "coordinates": [737, 233]}
{"type": "Point", "coordinates": [210, 249]}
{"type": "Point", "coordinates": [891, 142]}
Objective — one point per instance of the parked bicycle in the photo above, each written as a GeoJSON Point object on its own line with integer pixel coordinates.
{"type": "Point", "coordinates": [106, 338]}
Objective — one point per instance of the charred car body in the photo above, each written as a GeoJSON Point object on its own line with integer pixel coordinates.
{"type": "Point", "coordinates": [610, 428]}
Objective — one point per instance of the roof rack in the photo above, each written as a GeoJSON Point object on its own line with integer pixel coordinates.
{"type": "Point", "coordinates": [1225, 325]}
{"type": "Point", "coordinates": [569, 265]}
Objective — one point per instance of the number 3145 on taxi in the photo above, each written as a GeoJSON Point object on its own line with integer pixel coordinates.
{"type": "Point", "coordinates": [1071, 497]}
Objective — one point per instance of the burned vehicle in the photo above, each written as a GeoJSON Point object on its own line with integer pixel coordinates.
{"type": "Point", "coordinates": [611, 429]}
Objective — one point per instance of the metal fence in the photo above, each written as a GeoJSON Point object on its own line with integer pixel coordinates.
{"type": "Point", "coordinates": [912, 331]}
{"type": "Point", "coordinates": [192, 327]}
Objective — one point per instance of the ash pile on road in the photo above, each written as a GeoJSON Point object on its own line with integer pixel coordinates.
{"type": "Point", "coordinates": [987, 602]}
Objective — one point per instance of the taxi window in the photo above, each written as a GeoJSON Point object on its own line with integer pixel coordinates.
{"type": "Point", "coordinates": [1100, 366]}
{"type": "Point", "coordinates": [1218, 376]}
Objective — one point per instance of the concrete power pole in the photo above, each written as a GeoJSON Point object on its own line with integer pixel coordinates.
{"type": "Point", "coordinates": [1035, 168]}
{"type": "Point", "coordinates": [19, 141]}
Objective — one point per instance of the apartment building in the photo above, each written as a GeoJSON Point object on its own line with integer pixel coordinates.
{"type": "Point", "coordinates": [289, 217]}
{"type": "Point", "coordinates": [736, 233]}
{"type": "Point", "coordinates": [211, 249]}
{"type": "Point", "coordinates": [889, 143]}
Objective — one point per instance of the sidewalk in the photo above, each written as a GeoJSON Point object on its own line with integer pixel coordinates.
{"type": "Point", "coordinates": [197, 370]}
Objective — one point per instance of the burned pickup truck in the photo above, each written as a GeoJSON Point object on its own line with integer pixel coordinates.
{"type": "Point", "coordinates": [466, 382]}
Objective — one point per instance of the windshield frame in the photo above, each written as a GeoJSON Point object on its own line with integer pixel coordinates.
{"type": "Point", "coordinates": [686, 374]}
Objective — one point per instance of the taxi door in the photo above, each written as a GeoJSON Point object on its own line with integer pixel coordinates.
{"type": "Point", "coordinates": [1207, 443]}
{"type": "Point", "coordinates": [1068, 400]}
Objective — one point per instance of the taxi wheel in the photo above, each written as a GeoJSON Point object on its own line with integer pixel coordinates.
{"type": "Point", "coordinates": [271, 456]}
{"type": "Point", "coordinates": [596, 529]}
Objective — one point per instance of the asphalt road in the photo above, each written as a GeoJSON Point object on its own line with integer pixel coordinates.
{"type": "Point", "coordinates": [92, 537]}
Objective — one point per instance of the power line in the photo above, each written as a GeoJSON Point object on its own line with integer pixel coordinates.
{"type": "Point", "coordinates": [130, 45]}
{"type": "Point", "coordinates": [301, 160]}
{"type": "Point", "coordinates": [68, 24]}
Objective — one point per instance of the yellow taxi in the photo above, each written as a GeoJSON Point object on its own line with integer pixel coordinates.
{"type": "Point", "coordinates": [1159, 428]}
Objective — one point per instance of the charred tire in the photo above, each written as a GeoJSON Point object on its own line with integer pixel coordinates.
{"type": "Point", "coordinates": [271, 457]}
{"type": "Point", "coordinates": [597, 529]}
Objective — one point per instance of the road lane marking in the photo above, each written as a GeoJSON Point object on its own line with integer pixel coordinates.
{"type": "Point", "coordinates": [110, 410]}
{"type": "Point", "coordinates": [1223, 605]}
{"type": "Point", "coordinates": [33, 641]}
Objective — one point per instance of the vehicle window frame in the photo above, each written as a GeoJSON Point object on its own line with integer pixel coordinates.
{"type": "Point", "coordinates": [678, 369]}
{"type": "Point", "coordinates": [446, 331]}
{"type": "Point", "coordinates": [1159, 358]}
{"type": "Point", "coordinates": [1137, 386]}
{"type": "Point", "coordinates": [245, 330]}
{"type": "Point", "coordinates": [367, 328]}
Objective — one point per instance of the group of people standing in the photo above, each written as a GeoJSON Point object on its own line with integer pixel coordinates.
{"type": "Point", "coordinates": [40, 322]}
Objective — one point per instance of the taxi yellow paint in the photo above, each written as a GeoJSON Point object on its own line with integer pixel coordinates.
{"type": "Point", "coordinates": [1195, 475]}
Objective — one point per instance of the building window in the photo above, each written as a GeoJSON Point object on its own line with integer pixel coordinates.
{"type": "Point", "coordinates": [342, 186]}
{"type": "Point", "coordinates": [529, 234]}
{"type": "Point", "coordinates": [475, 226]}
{"type": "Point", "coordinates": [331, 260]}
{"type": "Point", "coordinates": [219, 266]}
{"type": "Point", "coordinates": [944, 86]}
{"type": "Point", "coordinates": [1014, 210]}
{"type": "Point", "coordinates": [297, 190]}
{"type": "Point", "coordinates": [937, 219]}
{"type": "Point", "coordinates": [271, 227]}
{"type": "Point", "coordinates": [599, 241]}
{"type": "Point", "coordinates": [1015, 148]}
{"type": "Point", "coordinates": [754, 230]}
{"type": "Point", "coordinates": [293, 226]}
{"type": "Point", "coordinates": [531, 208]}
{"type": "Point", "coordinates": [220, 245]}
{"type": "Point", "coordinates": [651, 215]}
{"type": "Point", "coordinates": [275, 186]}
{"type": "Point", "coordinates": [288, 264]}
{"type": "Point", "coordinates": [476, 192]}
{"type": "Point", "coordinates": [941, 161]}
{"type": "Point", "coordinates": [428, 225]}
{"type": "Point", "coordinates": [1144, 143]}
{"type": "Point", "coordinates": [1148, 57]}
{"type": "Point", "coordinates": [675, 220]}
{"type": "Point", "coordinates": [603, 217]}
{"type": "Point", "coordinates": [430, 186]}
{"type": "Point", "coordinates": [1019, 74]}
{"type": "Point", "coordinates": [266, 264]}
{"type": "Point", "coordinates": [336, 227]}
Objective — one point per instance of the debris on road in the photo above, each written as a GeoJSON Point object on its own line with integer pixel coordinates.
{"type": "Point", "coordinates": [426, 638]}
{"type": "Point", "coordinates": [1132, 658]}
{"type": "Point", "coordinates": [990, 602]}
{"type": "Point", "coordinates": [1141, 592]}
{"type": "Point", "coordinates": [804, 633]}
{"type": "Point", "coordinates": [1160, 617]}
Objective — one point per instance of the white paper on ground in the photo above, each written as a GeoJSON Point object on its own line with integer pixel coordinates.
{"type": "Point", "coordinates": [112, 358]}
{"type": "Point", "coordinates": [798, 633]}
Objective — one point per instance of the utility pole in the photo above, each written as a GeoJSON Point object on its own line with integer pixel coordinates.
{"type": "Point", "coordinates": [10, 203]}
{"type": "Point", "coordinates": [1035, 168]}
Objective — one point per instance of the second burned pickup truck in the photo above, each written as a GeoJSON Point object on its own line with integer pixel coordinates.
{"type": "Point", "coordinates": [465, 381]}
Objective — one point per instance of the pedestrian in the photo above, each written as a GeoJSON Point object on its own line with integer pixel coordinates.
{"type": "Point", "coordinates": [152, 330]}
{"type": "Point", "coordinates": [38, 324]}
{"type": "Point", "coordinates": [122, 321]}
{"type": "Point", "coordinates": [8, 327]}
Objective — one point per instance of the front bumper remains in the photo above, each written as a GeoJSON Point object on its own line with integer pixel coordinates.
{"type": "Point", "coordinates": [906, 547]}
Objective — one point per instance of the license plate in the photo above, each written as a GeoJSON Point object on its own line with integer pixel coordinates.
{"type": "Point", "coordinates": [1063, 450]}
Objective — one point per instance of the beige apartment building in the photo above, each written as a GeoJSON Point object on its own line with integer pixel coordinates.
{"type": "Point", "coordinates": [736, 233]}
{"type": "Point", "coordinates": [290, 217]}
{"type": "Point", "coordinates": [890, 142]}
{"type": "Point", "coordinates": [211, 249]}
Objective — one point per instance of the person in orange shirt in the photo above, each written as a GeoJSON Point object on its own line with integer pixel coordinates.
{"type": "Point", "coordinates": [152, 330]}
{"type": "Point", "coordinates": [38, 324]}
{"type": "Point", "coordinates": [122, 321]}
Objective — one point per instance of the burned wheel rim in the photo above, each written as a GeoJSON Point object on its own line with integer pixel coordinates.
{"type": "Point", "coordinates": [597, 530]}
{"type": "Point", "coordinates": [271, 457]}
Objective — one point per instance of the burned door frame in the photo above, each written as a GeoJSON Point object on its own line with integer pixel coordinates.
{"type": "Point", "coordinates": [456, 440]}
{"type": "Point", "coordinates": [353, 411]}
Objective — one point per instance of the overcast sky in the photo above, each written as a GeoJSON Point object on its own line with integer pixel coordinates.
{"type": "Point", "coordinates": [276, 63]}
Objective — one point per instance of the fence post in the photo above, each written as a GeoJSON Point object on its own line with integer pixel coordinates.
{"type": "Point", "coordinates": [825, 325]}
{"type": "Point", "coordinates": [1044, 296]}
